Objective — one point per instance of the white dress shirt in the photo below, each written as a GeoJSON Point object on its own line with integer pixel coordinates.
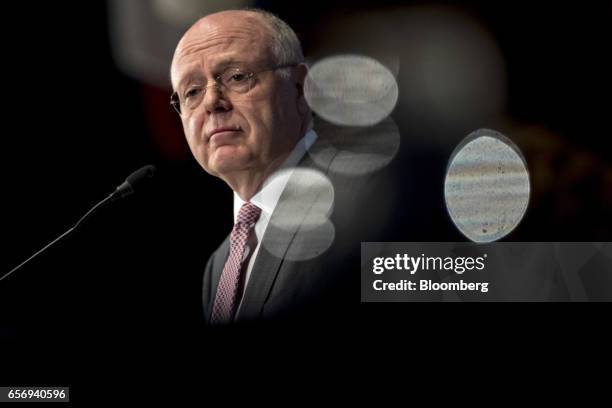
{"type": "Point", "coordinates": [266, 198]}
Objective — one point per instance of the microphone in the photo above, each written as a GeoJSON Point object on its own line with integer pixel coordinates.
{"type": "Point", "coordinates": [132, 183]}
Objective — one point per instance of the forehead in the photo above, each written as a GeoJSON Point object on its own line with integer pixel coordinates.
{"type": "Point", "coordinates": [217, 40]}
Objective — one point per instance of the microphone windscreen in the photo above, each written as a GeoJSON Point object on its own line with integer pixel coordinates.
{"type": "Point", "coordinates": [140, 175]}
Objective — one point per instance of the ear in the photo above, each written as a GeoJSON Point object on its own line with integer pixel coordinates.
{"type": "Point", "coordinates": [300, 72]}
{"type": "Point", "coordinates": [299, 78]}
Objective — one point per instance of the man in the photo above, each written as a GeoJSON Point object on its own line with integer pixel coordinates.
{"type": "Point", "coordinates": [238, 78]}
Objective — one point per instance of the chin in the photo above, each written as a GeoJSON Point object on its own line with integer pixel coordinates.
{"type": "Point", "coordinates": [225, 162]}
{"type": "Point", "coordinates": [227, 166]}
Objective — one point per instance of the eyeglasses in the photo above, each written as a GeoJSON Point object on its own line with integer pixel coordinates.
{"type": "Point", "coordinates": [231, 79]}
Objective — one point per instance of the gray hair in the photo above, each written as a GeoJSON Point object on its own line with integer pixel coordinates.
{"type": "Point", "coordinates": [286, 48]}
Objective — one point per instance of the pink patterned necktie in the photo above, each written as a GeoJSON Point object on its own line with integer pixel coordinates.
{"type": "Point", "coordinates": [225, 299]}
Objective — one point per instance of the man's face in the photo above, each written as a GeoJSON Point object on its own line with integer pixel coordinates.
{"type": "Point", "coordinates": [232, 132]}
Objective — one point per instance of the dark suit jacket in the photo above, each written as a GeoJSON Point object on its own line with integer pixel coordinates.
{"type": "Point", "coordinates": [326, 286]}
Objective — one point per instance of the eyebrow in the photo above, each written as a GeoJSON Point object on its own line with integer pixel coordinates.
{"type": "Point", "coordinates": [191, 76]}
{"type": "Point", "coordinates": [197, 74]}
{"type": "Point", "coordinates": [226, 63]}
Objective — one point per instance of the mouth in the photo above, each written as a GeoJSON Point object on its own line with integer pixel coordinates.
{"type": "Point", "coordinates": [223, 130]}
{"type": "Point", "coordinates": [223, 135]}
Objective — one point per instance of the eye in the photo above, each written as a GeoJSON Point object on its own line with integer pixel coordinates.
{"type": "Point", "coordinates": [238, 77]}
{"type": "Point", "coordinates": [193, 92]}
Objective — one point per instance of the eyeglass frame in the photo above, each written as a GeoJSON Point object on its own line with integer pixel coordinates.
{"type": "Point", "coordinates": [175, 100]}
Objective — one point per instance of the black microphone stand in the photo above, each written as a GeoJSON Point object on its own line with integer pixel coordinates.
{"type": "Point", "coordinates": [65, 234]}
{"type": "Point", "coordinates": [123, 190]}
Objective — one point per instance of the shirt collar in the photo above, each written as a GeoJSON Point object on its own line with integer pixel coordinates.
{"type": "Point", "coordinates": [268, 195]}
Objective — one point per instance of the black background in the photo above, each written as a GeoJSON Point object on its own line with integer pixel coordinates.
{"type": "Point", "coordinates": [123, 294]}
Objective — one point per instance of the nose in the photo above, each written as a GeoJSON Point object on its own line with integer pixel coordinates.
{"type": "Point", "coordinates": [215, 100]}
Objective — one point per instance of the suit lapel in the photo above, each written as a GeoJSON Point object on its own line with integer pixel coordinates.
{"type": "Point", "coordinates": [279, 235]}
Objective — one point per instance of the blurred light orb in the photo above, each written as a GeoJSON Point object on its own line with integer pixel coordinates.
{"type": "Point", "coordinates": [351, 90]}
{"type": "Point", "coordinates": [355, 150]}
{"type": "Point", "coordinates": [487, 186]}
{"type": "Point", "coordinates": [306, 244]}
{"type": "Point", "coordinates": [307, 203]}
{"type": "Point", "coordinates": [453, 77]}
{"type": "Point", "coordinates": [298, 208]}
{"type": "Point", "coordinates": [187, 12]}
